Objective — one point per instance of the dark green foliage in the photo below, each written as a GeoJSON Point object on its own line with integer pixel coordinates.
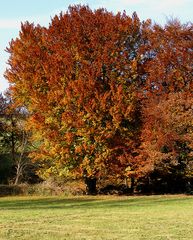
{"type": "Point", "coordinates": [6, 168]}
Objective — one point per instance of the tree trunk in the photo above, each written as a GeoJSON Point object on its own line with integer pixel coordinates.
{"type": "Point", "coordinates": [19, 171]}
{"type": "Point", "coordinates": [12, 140]}
{"type": "Point", "coordinates": [21, 163]}
{"type": "Point", "coordinates": [17, 179]}
{"type": "Point", "coordinates": [90, 185]}
{"type": "Point", "coordinates": [132, 184]}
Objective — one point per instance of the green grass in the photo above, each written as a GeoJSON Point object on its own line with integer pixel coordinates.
{"type": "Point", "coordinates": [100, 217]}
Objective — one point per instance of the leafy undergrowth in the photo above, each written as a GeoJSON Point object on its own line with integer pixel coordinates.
{"type": "Point", "coordinates": [97, 217]}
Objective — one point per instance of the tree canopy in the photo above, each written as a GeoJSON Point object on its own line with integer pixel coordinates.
{"type": "Point", "coordinates": [101, 91]}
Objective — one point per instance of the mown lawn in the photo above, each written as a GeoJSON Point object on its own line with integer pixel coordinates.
{"type": "Point", "coordinates": [100, 217]}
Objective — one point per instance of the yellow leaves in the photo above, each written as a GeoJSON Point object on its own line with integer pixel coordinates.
{"type": "Point", "coordinates": [87, 167]}
{"type": "Point", "coordinates": [49, 120]}
{"type": "Point", "coordinates": [53, 171]}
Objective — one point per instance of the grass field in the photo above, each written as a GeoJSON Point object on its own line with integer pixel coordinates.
{"type": "Point", "coordinates": [100, 217]}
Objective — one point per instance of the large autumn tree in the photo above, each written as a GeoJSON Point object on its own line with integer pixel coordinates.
{"type": "Point", "coordinates": [78, 80]}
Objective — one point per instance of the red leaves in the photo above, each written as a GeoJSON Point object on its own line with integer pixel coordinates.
{"type": "Point", "coordinates": [167, 122]}
{"type": "Point", "coordinates": [171, 61]}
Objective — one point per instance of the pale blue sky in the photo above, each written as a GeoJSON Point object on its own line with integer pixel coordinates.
{"type": "Point", "coordinates": [13, 12]}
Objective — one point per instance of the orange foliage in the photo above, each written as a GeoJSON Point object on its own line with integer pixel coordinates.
{"type": "Point", "coordinates": [77, 79]}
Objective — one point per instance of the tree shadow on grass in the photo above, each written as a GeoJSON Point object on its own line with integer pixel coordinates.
{"type": "Point", "coordinates": [87, 203]}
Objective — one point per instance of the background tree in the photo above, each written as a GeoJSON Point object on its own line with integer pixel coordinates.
{"type": "Point", "coordinates": [5, 162]}
{"type": "Point", "coordinates": [14, 142]}
{"type": "Point", "coordinates": [166, 150]}
{"type": "Point", "coordinates": [169, 50]}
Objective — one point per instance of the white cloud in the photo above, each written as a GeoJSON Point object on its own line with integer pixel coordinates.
{"type": "Point", "coordinates": [152, 4]}
{"type": "Point", "coordinates": [169, 5]}
{"type": "Point", "coordinates": [158, 10]}
{"type": "Point", "coordinates": [9, 24]}
{"type": "Point", "coordinates": [16, 23]}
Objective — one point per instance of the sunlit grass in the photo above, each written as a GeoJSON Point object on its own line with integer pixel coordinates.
{"type": "Point", "coordinates": [107, 218]}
